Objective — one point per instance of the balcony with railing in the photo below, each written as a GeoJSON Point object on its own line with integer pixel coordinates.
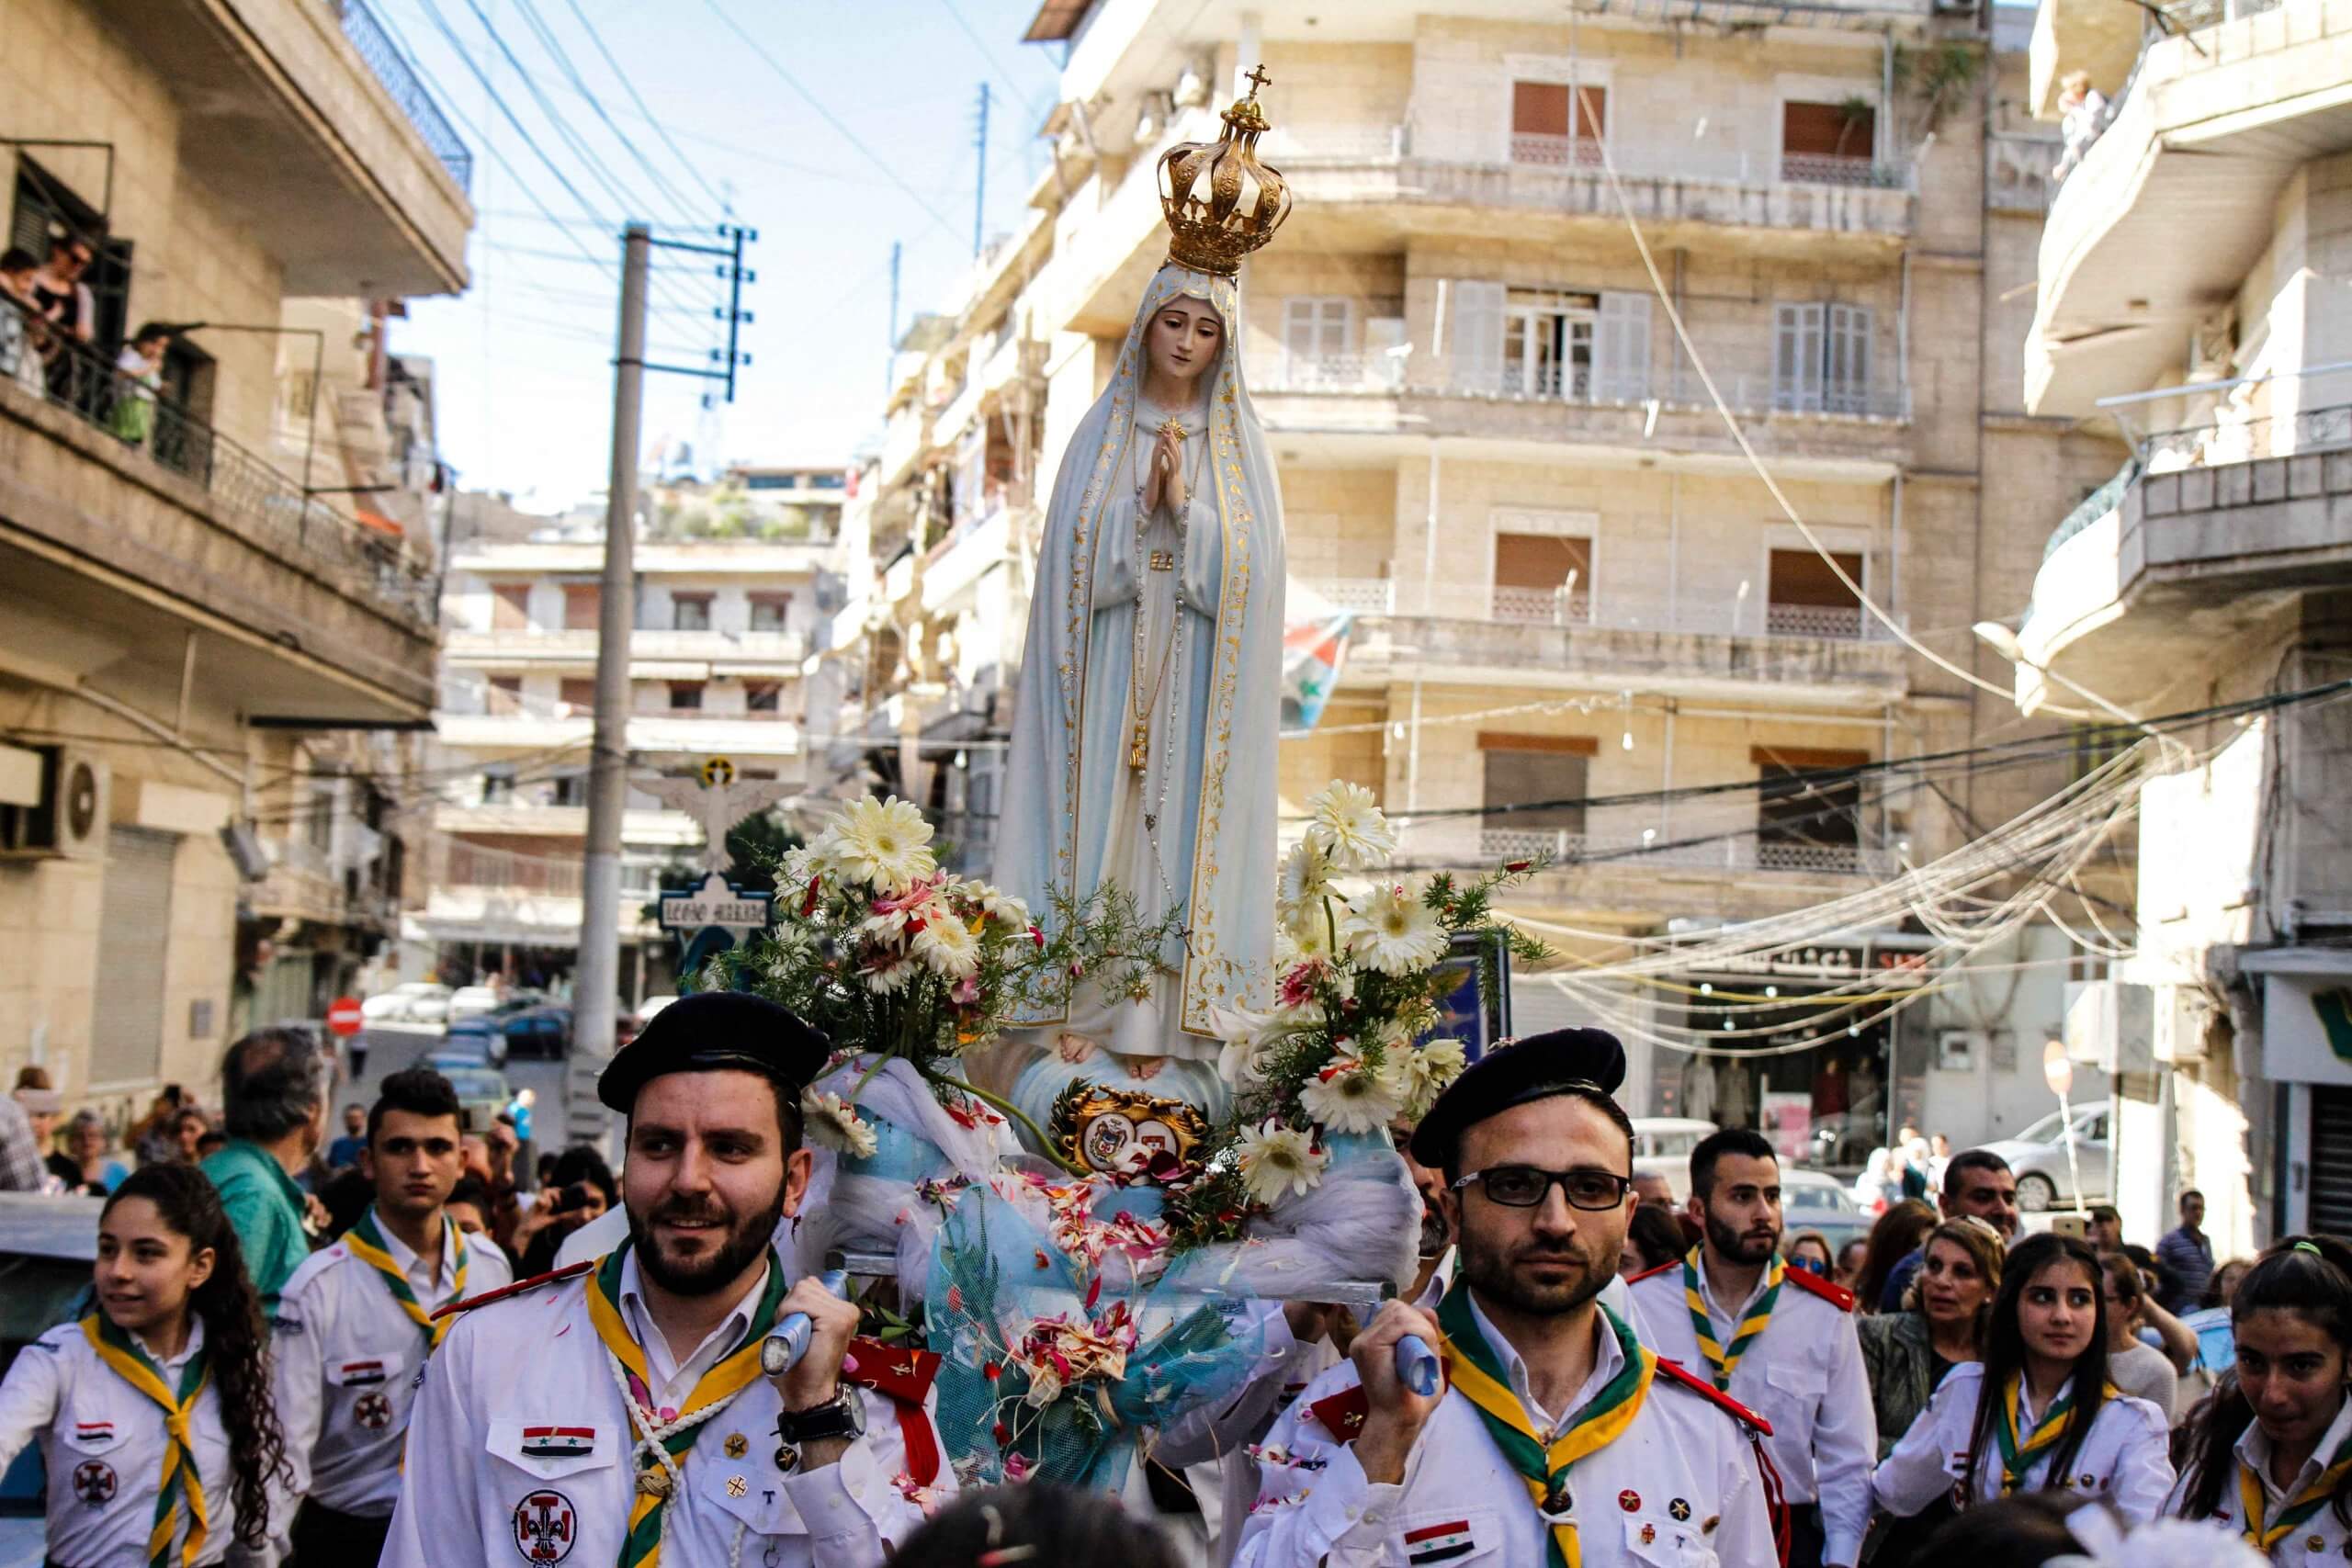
{"type": "Point", "coordinates": [757, 652]}
{"type": "Point", "coordinates": [2212, 521]}
{"type": "Point", "coordinates": [1732, 849]}
{"type": "Point", "coordinates": [401, 78]}
{"type": "Point", "coordinates": [1512, 635]}
{"type": "Point", "coordinates": [139, 489]}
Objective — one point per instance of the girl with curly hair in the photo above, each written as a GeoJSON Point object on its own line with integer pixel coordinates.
{"type": "Point", "coordinates": [153, 1412]}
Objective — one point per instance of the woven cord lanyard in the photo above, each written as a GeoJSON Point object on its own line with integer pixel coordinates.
{"type": "Point", "coordinates": [130, 1363]}
{"type": "Point", "coordinates": [2254, 1501]}
{"type": "Point", "coordinates": [2018, 1459]}
{"type": "Point", "coordinates": [1472, 1367]}
{"type": "Point", "coordinates": [366, 1244]}
{"type": "Point", "coordinates": [1723, 1363]}
{"type": "Point", "coordinates": [642, 1547]}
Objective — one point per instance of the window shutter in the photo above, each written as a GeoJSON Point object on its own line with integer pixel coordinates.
{"type": "Point", "coordinates": [1477, 332]}
{"type": "Point", "coordinates": [1796, 358]}
{"type": "Point", "coordinates": [1847, 373]}
{"type": "Point", "coordinates": [1621, 348]}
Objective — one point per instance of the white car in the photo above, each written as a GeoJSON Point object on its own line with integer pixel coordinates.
{"type": "Point", "coordinates": [2045, 1174]}
{"type": "Point", "coordinates": [402, 1002]}
{"type": "Point", "coordinates": [472, 1001]}
{"type": "Point", "coordinates": [651, 1005]}
{"type": "Point", "coordinates": [1662, 1147]}
{"type": "Point", "coordinates": [432, 1006]}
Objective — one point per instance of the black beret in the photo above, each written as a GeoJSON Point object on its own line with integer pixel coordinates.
{"type": "Point", "coordinates": [1537, 1067]}
{"type": "Point", "coordinates": [711, 1030]}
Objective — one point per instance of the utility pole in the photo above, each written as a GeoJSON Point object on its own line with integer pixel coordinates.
{"type": "Point", "coordinates": [981, 189]}
{"type": "Point", "coordinates": [890, 355]}
{"type": "Point", "coordinates": [597, 993]}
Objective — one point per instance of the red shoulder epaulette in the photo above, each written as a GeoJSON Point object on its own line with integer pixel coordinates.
{"type": "Point", "coordinates": [894, 1372]}
{"type": "Point", "coordinates": [1829, 1291]}
{"type": "Point", "coordinates": [1343, 1414]}
{"type": "Point", "coordinates": [1647, 1273]}
{"type": "Point", "coordinates": [1674, 1371]}
{"type": "Point", "coordinates": [516, 1288]}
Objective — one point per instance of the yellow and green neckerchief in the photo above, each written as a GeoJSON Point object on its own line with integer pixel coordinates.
{"type": "Point", "coordinates": [130, 1363]}
{"type": "Point", "coordinates": [642, 1546]}
{"type": "Point", "coordinates": [2255, 1502]}
{"type": "Point", "coordinates": [1475, 1371]}
{"type": "Point", "coordinates": [1723, 1361]}
{"type": "Point", "coordinates": [2018, 1459]}
{"type": "Point", "coordinates": [366, 1244]}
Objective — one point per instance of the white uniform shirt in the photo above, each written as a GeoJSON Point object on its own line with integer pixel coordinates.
{"type": "Point", "coordinates": [2124, 1458]}
{"type": "Point", "coordinates": [1803, 1373]}
{"type": "Point", "coordinates": [347, 1363]}
{"type": "Point", "coordinates": [1679, 1489]}
{"type": "Point", "coordinates": [104, 1443]}
{"type": "Point", "coordinates": [471, 1495]}
{"type": "Point", "coordinates": [2319, 1541]}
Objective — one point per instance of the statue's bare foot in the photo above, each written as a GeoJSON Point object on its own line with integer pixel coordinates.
{"type": "Point", "coordinates": [1074, 1048]}
{"type": "Point", "coordinates": [1145, 1067]}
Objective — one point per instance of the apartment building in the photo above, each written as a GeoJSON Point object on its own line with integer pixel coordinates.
{"type": "Point", "coordinates": [180, 607]}
{"type": "Point", "coordinates": [2187, 314]}
{"type": "Point", "coordinates": [1579, 624]}
{"type": "Point", "coordinates": [726, 606]}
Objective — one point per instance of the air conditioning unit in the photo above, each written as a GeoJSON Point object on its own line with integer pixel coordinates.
{"type": "Point", "coordinates": [70, 820]}
{"type": "Point", "coordinates": [2111, 1025]}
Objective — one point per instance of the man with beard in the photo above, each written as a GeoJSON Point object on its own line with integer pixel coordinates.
{"type": "Point", "coordinates": [356, 1324]}
{"type": "Point", "coordinates": [616, 1410]}
{"type": "Point", "coordinates": [1778, 1338]}
{"type": "Point", "coordinates": [1556, 1438]}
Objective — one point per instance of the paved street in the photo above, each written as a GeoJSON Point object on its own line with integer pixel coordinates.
{"type": "Point", "coordinates": [393, 1047]}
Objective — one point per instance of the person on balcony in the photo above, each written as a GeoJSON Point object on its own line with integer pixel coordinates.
{"type": "Point", "coordinates": [2083, 113]}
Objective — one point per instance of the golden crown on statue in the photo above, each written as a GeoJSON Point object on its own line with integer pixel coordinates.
{"type": "Point", "coordinates": [1220, 202]}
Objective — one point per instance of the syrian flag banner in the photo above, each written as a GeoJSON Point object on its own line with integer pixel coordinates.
{"type": "Point", "coordinates": [1315, 646]}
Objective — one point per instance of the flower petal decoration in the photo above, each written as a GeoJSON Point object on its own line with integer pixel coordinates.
{"type": "Point", "coordinates": [1277, 1160]}
{"type": "Point", "coordinates": [949, 947]}
{"type": "Point", "coordinates": [834, 1124]}
{"type": "Point", "coordinates": [1425, 1072]}
{"type": "Point", "coordinates": [884, 843]}
{"type": "Point", "coordinates": [1348, 829]}
{"type": "Point", "coordinates": [1348, 1095]}
{"type": "Point", "coordinates": [1394, 932]}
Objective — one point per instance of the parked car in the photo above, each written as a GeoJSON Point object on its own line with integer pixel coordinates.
{"type": "Point", "coordinates": [1816, 1201]}
{"type": "Point", "coordinates": [2038, 1156]}
{"type": "Point", "coordinates": [544, 1031]}
{"type": "Point", "coordinates": [1662, 1147]}
{"type": "Point", "coordinates": [472, 1002]}
{"type": "Point", "coordinates": [401, 1004]}
{"type": "Point", "coordinates": [477, 1037]}
{"type": "Point", "coordinates": [431, 1006]}
{"type": "Point", "coordinates": [483, 1090]}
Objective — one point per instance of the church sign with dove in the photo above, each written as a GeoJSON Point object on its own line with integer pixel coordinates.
{"type": "Point", "coordinates": [715, 915]}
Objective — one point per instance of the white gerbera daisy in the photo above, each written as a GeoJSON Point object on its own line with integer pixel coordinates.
{"type": "Point", "coordinates": [998, 906]}
{"type": "Point", "coordinates": [947, 946]}
{"type": "Point", "coordinates": [890, 977]}
{"type": "Point", "coordinates": [1304, 875]}
{"type": "Point", "coordinates": [883, 843]}
{"type": "Point", "coordinates": [1348, 1095]}
{"type": "Point", "coordinates": [1277, 1161]}
{"type": "Point", "coordinates": [833, 1124]}
{"type": "Point", "coordinates": [1348, 829]}
{"type": "Point", "coordinates": [1394, 933]}
{"type": "Point", "coordinates": [1426, 1072]}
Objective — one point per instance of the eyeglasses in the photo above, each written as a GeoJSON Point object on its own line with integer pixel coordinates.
{"type": "Point", "coordinates": [1526, 1186]}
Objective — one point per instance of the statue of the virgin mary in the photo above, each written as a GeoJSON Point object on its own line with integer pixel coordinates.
{"type": "Point", "coordinates": [1144, 726]}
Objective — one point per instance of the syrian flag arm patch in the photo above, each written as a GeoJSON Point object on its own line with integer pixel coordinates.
{"type": "Point", "coordinates": [1440, 1543]}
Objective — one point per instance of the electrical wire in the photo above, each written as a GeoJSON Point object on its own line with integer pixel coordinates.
{"type": "Point", "coordinates": [660, 182]}
{"type": "Point", "coordinates": [629, 87]}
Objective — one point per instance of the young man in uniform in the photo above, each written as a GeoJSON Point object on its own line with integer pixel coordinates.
{"type": "Point", "coordinates": [1778, 1339]}
{"type": "Point", "coordinates": [1556, 1438]}
{"type": "Point", "coordinates": [356, 1325]}
{"type": "Point", "coordinates": [616, 1411]}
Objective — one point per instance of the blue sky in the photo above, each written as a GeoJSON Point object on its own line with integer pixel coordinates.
{"type": "Point", "coordinates": [523, 359]}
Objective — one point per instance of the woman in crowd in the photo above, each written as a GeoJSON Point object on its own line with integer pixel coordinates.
{"type": "Point", "coordinates": [155, 1413]}
{"type": "Point", "coordinates": [2270, 1454]}
{"type": "Point", "coordinates": [2037, 1412]}
{"type": "Point", "coordinates": [1894, 1238]}
{"type": "Point", "coordinates": [2221, 1290]}
{"type": "Point", "coordinates": [153, 1136]}
{"type": "Point", "coordinates": [1652, 1239]}
{"type": "Point", "coordinates": [85, 1166]}
{"type": "Point", "coordinates": [1850, 1259]}
{"type": "Point", "coordinates": [1810, 1250]}
{"type": "Point", "coordinates": [1908, 1353]}
{"type": "Point", "coordinates": [2131, 1366]}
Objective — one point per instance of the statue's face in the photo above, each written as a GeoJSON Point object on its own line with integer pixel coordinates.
{"type": "Point", "coordinates": [1183, 339]}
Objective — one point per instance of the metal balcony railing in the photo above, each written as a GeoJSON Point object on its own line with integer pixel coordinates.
{"type": "Point", "coordinates": [2231, 439]}
{"type": "Point", "coordinates": [400, 78]}
{"type": "Point", "coordinates": [1528, 843]}
{"type": "Point", "coordinates": [1843, 622]}
{"type": "Point", "coordinates": [291, 521]}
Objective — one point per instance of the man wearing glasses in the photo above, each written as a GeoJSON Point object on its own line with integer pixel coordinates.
{"type": "Point", "coordinates": [1774, 1337]}
{"type": "Point", "coordinates": [1556, 1438]}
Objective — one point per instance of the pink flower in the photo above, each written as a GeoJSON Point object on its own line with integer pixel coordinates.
{"type": "Point", "coordinates": [1016, 1468]}
{"type": "Point", "coordinates": [1037, 936]}
{"type": "Point", "coordinates": [967, 990]}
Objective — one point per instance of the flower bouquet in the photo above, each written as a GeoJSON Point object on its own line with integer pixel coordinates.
{"type": "Point", "coordinates": [907, 968]}
{"type": "Point", "coordinates": [1352, 1045]}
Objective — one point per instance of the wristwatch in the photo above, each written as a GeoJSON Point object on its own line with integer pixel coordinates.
{"type": "Point", "coordinates": [842, 1416]}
